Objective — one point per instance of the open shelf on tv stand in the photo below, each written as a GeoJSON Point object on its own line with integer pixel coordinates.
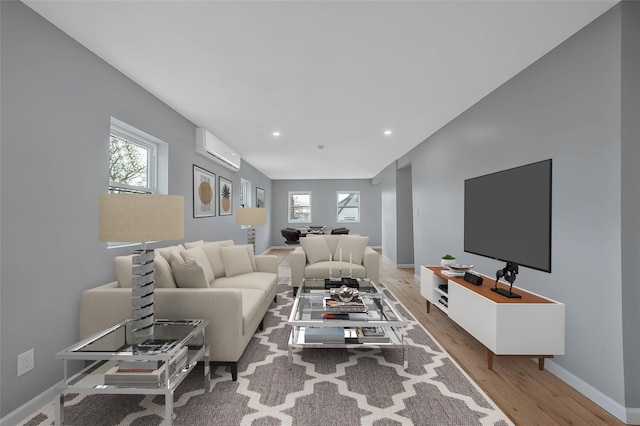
{"type": "Point", "coordinates": [529, 326]}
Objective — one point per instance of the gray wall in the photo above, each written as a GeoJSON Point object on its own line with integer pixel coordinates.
{"type": "Point", "coordinates": [323, 206]}
{"type": "Point", "coordinates": [631, 199]}
{"type": "Point", "coordinates": [397, 213]}
{"type": "Point", "coordinates": [57, 100]}
{"type": "Point", "coordinates": [387, 180]}
{"type": "Point", "coordinates": [404, 206]}
{"type": "Point", "coordinates": [566, 106]}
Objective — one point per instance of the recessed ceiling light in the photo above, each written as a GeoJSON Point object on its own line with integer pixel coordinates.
{"type": "Point", "coordinates": [276, 133]}
{"type": "Point", "coordinates": [387, 132]}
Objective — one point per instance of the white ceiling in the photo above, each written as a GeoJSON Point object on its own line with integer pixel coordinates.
{"type": "Point", "coordinates": [332, 73]}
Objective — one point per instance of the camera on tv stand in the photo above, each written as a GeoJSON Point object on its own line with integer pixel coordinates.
{"type": "Point", "coordinates": [509, 273]}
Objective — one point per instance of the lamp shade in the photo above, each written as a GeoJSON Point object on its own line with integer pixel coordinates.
{"type": "Point", "coordinates": [141, 217]}
{"type": "Point", "coordinates": [251, 216]}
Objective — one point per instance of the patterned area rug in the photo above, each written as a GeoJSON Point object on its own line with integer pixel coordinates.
{"type": "Point", "coordinates": [320, 387]}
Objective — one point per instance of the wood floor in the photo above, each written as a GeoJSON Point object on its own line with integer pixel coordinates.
{"type": "Point", "coordinates": [527, 395]}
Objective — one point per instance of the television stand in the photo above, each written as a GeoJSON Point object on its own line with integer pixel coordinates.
{"type": "Point", "coordinates": [506, 293]}
{"type": "Point", "coordinates": [529, 326]}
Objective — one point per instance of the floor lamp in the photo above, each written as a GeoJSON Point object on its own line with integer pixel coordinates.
{"type": "Point", "coordinates": [250, 216]}
{"type": "Point", "coordinates": [141, 218]}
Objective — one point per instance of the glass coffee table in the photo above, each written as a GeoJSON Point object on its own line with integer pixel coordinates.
{"type": "Point", "coordinates": [320, 320]}
{"type": "Point", "coordinates": [155, 366]}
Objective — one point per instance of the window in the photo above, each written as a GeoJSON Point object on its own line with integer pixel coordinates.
{"type": "Point", "coordinates": [245, 193]}
{"type": "Point", "coordinates": [245, 196]}
{"type": "Point", "coordinates": [300, 207]}
{"type": "Point", "coordinates": [138, 163]}
{"type": "Point", "coordinates": [134, 160]}
{"type": "Point", "coordinates": [349, 206]}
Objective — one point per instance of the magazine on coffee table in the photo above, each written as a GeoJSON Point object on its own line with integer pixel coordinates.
{"type": "Point", "coordinates": [330, 304]}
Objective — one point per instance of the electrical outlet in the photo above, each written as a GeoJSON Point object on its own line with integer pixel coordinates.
{"type": "Point", "coordinates": [25, 362]}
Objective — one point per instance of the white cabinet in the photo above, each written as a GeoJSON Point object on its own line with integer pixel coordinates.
{"type": "Point", "coordinates": [531, 326]}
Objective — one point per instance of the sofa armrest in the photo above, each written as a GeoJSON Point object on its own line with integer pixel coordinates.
{"type": "Point", "coordinates": [298, 263]}
{"type": "Point", "coordinates": [371, 262]}
{"type": "Point", "coordinates": [267, 263]}
{"type": "Point", "coordinates": [103, 306]}
{"type": "Point", "coordinates": [222, 307]}
{"type": "Point", "coordinates": [106, 305]}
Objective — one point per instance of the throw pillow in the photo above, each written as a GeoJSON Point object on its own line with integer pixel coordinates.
{"type": "Point", "coordinates": [353, 245]}
{"type": "Point", "coordinates": [196, 254]}
{"type": "Point", "coordinates": [252, 257]}
{"type": "Point", "coordinates": [212, 251]}
{"type": "Point", "coordinates": [163, 276]}
{"type": "Point", "coordinates": [236, 260]}
{"type": "Point", "coordinates": [316, 249]}
{"type": "Point", "coordinates": [189, 276]}
{"type": "Point", "coordinates": [166, 251]}
{"type": "Point", "coordinates": [193, 244]}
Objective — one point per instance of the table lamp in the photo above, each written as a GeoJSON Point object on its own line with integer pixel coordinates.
{"type": "Point", "coordinates": [141, 218]}
{"type": "Point", "coordinates": [251, 216]}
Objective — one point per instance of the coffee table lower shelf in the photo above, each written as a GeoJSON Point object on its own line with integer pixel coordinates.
{"type": "Point", "coordinates": [396, 340]}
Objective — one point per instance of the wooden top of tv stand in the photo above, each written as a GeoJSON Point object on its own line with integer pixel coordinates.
{"type": "Point", "coordinates": [485, 289]}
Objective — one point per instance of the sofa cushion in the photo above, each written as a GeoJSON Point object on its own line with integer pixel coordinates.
{"type": "Point", "coordinates": [316, 249]}
{"type": "Point", "coordinates": [166, 251]}
{"type": "Point", "coordinates": [236, 260]}
{"type": "Point", "coordinates": [252, 257]}
{"type": "Point", "coordinates": [163, 276]}
{"type": "Point", "coordinates": [256, 280]}
{"type": "Point", "coordinates": [189, 275]}
{"type": "Point", "coordinates": [321, 270]}
{"type": "Point", "coordinates": [353, 245]}
{"type": "Point", "coordinates": [212, 251]}
{"type": "Point", "coordinates": [197, 255]}
{"type": "Point", "coordinates": [193, 244]}
{"type": "Point", "coordinates": [331, 240]}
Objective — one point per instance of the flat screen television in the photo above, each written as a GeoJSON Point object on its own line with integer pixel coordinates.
{"type": "Point", "coordinates": [507, 215]}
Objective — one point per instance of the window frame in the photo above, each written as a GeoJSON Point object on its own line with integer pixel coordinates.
{"type": "Point", "coordinates": [290, 195]}
{"type": "Point", "coordinates": [245, 197]}
{"type": "Point", "coordinates": [158, 164]}
{"type": "Point", "coordinates": [139, 138]}
{"type": "Point", "coordinates": [358, 207]}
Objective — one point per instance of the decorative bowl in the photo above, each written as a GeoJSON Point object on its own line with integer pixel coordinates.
{"type": "Point", "coordinates": [459, 268]}
{"type": "Point", "coordinates": [347, 294]}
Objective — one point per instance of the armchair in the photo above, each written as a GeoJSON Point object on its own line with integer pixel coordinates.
{"type": "Point", "coordinates": [320, 254]}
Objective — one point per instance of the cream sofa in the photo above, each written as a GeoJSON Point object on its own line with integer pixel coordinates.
{"type": "Point", "coordinates": [223, 283]}
{"type": "Point", "coordinates": [320, 254]}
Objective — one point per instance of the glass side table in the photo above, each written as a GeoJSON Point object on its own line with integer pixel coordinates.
{"type": "Point", "coordinates": [156, 366]}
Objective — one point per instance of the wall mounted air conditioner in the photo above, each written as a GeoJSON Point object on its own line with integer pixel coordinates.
{"type": "Point", "coordinates": [216, 150]}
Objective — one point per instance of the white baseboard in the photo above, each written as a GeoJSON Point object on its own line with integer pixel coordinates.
{"type": "Point", "coordinates": [624, 414]}
{"type": "Point", "coordinates": [21, 413]}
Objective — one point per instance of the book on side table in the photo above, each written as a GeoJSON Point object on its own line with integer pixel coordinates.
{"type": "Point", "coordinates": [143, 373]}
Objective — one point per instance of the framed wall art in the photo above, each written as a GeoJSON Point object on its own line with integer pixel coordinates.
{"type": "Point", "coordinates": [204, 188]}
{"type": "Point", "coordinates": [225, 196]}
{"type": "Point", "coordinates": [260, 197]}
